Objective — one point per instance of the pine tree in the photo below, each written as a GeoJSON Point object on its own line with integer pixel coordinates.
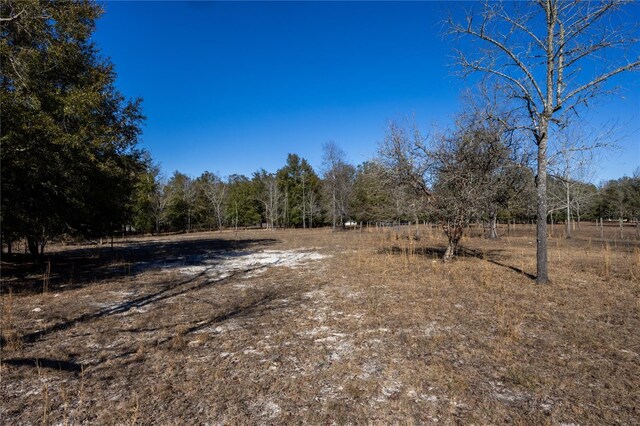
{"type": "Point", "coordinates": [68, 143]}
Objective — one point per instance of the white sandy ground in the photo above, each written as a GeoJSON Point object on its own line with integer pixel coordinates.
{"type": "Point", "coordinates": [339, 345]}
{"type": "Point", "coordinates": [216, 266]}
{"type": "Point", "coordinates": [222, 265]}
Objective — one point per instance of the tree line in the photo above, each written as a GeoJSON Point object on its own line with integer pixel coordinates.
{"type": "Point", "coordinates": [501, 188]}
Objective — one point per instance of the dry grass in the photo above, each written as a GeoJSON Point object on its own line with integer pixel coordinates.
{"type": "Point", "coordinates": [381, 332]}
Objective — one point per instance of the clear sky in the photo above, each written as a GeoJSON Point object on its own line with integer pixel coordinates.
{"type": "Point", "coordinates": [232, 87]}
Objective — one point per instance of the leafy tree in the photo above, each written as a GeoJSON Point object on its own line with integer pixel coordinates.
{"type": "Point", "coordinates": [243, 207]}
{"type": "Point", "coordinates": [181, 193]}
{"type": "Point", "coordinates": [620, 199]}
{"type": "Point", "coordinates": [68, 143]}
{"type": "Point", "coordinates": [372, 190]}
{"type": "Point", "coordinates": [296, 181]}
{"type": "Point", "coordinates": [148, 203]}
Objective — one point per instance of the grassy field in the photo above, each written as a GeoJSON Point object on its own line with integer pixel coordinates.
{"type": "Point", "coordinates": [310, 326]}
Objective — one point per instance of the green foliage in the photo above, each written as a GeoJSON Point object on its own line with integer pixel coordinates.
{"type": "Point", "coordinates": [243, 207]}
{"type": "Point", "coordinates": [203, 208]}
{"type": "Point", "coordinates": [268, 196]}
{"type": "Point", "coordinates": [181, 201]}
{"type": "Point", "coordinates": [297, 181]}
{"type": "Point", "coordinates": [147, 200]}
{"type": "Point", "coordinates": [620, 198]}
{"type": "Point", "coordinates": [372, 194]}
{"type": "Point", "coordinates": [69, 161]}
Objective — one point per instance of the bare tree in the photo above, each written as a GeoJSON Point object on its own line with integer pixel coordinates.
{"type": "Point", "coordinates": [570, 167]}
{"type": "Point", "coordinates": [159, 201]}
{"type": "Point", "coordinates": [274, 200]}
{"type": "Point", "coordinates": [553, 57]}
{"type": "Point", "coordinates": [460, 172]}
{"type": "Point", "coordinates": [338, 179]}
{"type": "Point", "coordinates": [189, 192]}
{"type": "Point", "coordinates": [313, 206]}
{"type": "Point", "coordinates": [473, 170]}
{"type": "Point", "coordinates": [215, 190]}
{"type": "Point", "coordinates": [304, 201]}
{"type": "Point", "coordinates": [483, 110]}
{"type": "Point", "coordinates": [269, 196]}
{"type": "Point", "coordinates": [405, 158]}
{"type": "Point", "coordinates": [584, 198]}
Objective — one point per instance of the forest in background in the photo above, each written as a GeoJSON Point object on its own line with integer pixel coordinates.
{"type": "Point", "coordinates": [296, 195]}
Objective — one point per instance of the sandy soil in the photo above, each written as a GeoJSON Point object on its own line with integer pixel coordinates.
{"type": "Point", "coordinates": [264, 327]}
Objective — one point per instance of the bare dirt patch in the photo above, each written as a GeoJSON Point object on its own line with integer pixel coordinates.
{"type": "Point", "coordinates": [316, 327]}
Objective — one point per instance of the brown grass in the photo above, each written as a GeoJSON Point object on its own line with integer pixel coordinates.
{"type": "Point", "coordinates": [381, 332]}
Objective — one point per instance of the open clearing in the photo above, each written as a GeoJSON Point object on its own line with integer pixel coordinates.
{"type": "Point", "coordinates": [309, 326]}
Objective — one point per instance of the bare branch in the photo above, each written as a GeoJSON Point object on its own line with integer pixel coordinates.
{"type": "Point", "coordinates": [477, 67]}
{"type": "Point", "coordinates": [483, 36]}
{"type": "Point", "coordinates": [585, 22]}
{"type": "Point", "coordinates": [524, 28]}
{"type": "Point", "coordinates": [11, 18]}
{"type": "Point", "coordinates": [600, 79]}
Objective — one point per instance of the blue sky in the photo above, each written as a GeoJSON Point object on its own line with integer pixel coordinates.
{"type": "Point", "coordinates": [232, 87]}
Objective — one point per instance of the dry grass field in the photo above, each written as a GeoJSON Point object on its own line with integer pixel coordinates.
{"type": "Point", "coordinates": [315, 327]}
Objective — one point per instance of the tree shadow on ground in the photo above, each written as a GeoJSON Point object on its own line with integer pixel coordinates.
{"type": "Point", "coordinates": [77, 268]}
{"type": "Point", "coordinates": [258, 305]}
{"type": "Point", "coordinates": [168, 289]}
{"type": "Point", "coordinates": [237, 311]}
{"type": "Point", "coordinates": [54, 364]}
{"type": "Point", "coordinates": [492, 256]}
{"type": "Point", "coordinates": [495, 257]}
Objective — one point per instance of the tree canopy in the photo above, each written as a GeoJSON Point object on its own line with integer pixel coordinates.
{"type": "Point", "coordinates": [69, 156]}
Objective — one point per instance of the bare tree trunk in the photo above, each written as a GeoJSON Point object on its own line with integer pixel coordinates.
{"type": "Point", "coordinates": [333, 208]}
{"type": "Point", "coordinates": [542, 276]}
{"type": "Point", "coordinates": [621, 228]}
{"type": "Point", "coordinates": [286, 208]}
{"type": "Point", "coordinates": [304, 206]}
{"type": "Point", "coordinates": [452, 248]}
{"type": "Point", "coordinates": [568, 213]}
{"type": "Point", "coordinates": [493, 229]}
{"type": "Point", "coordinates": [449, 254]}
{"type": "Point", "coordinates": [454, 233]}
{"type": "Point", "coordinates": [32, 244]}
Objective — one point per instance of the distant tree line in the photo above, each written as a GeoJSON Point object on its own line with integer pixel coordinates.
{"type": "Point", "coordinates": [296, 196]}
